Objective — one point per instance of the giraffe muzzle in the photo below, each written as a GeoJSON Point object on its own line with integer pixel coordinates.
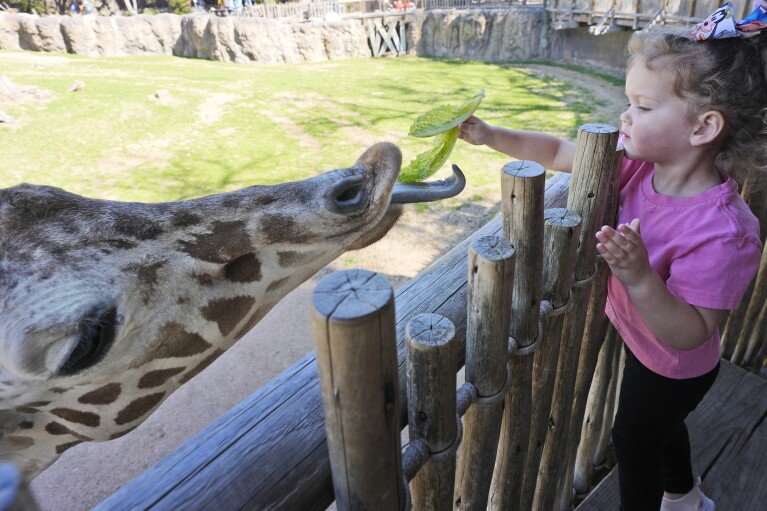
{"type": "Point", "coordinates": [407, 193]}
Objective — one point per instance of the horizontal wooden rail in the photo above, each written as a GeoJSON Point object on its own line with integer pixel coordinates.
{"type": "Point", "coordinates": [269, 452]}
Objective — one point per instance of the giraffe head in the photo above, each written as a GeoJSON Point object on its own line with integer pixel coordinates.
{"type": "Point", "coordinates": [107, 307]}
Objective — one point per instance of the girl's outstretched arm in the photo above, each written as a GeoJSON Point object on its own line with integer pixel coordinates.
{"type": "Point", "coordinates": [677, 323]}
{"type": "Point", "coordinates": [550, 151]}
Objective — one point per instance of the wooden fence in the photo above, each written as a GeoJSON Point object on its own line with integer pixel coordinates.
{"type": "Point", "coordinates": [535, 273]}
{"type": "Point", "coordinates": [535, 327]}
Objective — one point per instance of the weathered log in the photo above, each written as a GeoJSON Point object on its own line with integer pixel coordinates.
{"type": "Point", "coordinates": [269, 451]}
{"type": "Point", "coordinates": [594, 169]}
{"type": "Point", "coordinates": [431, 394]}
{"type": "Point", "coordinates": [735, 330]}
{"type": "Point", "coordinates": [491, 280]}
{"type": "Point", "coordinates": [595, 413]}
{"type": "Point", "coordinates": [603, 457]}
{"type": "Point", "coordinates": [562, 230]}
{"type": "Point", "coordinates": [353, 323]}
{"type": "Point", "coordinates": [752, 336]}
{"type": "Point", "coordinates": [522, 200]}
{"type": "Point", "coordinates": [593, 337]}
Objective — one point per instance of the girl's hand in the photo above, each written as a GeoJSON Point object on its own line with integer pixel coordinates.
{"type": "Point", "coordinates": [475, 131]}
{"type": "Point", "coordinates": [624, 250]}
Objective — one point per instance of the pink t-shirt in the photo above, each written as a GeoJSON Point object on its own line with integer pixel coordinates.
{"type": "Point", "coordinates": [706, 249]}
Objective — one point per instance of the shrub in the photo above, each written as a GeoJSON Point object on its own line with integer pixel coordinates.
{"type": "Point", "coordinates": [180, 6]}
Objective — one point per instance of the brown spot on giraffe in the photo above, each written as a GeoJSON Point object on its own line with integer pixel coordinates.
{"type": "Point", "coordinates": [20, 442]}
{"type": "Point", "coordinates": [226, 241]}
{"type": "Point", "coordinates": [147, 274]}
{"type": "Point", "coordinates": [101, 396]}
{"type": "Point", "coordinates": [204, 279]}
{"type": "Point", "coordinates": [246, 268]}
{"type": "Point", "coordinates": [26, 409]}
{"type": "Point", "coordinates": [77, 416]}
{"type": "Point", "coordinates": [227, 312]}
{"type": "Point", "coordinates": [291, 258]}
{"type": "Point", "coordinates": [277, 284]}
{"type": "Point", "coordinates": [174, 342]}
{"type": "Point", "coordinates": [253, 320]}
{"type": "Point", "coordinates": [26, 425]}
{"type": "Point", "coordinates": [122, 433]}
{"type": "Point", "coordinates": [202, 365]}
{"type": "Point", "coordinates": [55, 428]}
{"type": "Point", "coordinates": [277, 228]}
{"type": "Point", "coordinates": [184, 219]}
{"type": "Point", "coordinates": [158, 377]}
{"type": "Point", "coordinates": [63, 447]}
{"type": "Point", "coordinates": [139, 227]}
{"type": "Point", "coordinates": [138, 408]}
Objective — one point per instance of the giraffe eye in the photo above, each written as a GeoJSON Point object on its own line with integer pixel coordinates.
{"type": "Point", "coordinates": [95, 335]}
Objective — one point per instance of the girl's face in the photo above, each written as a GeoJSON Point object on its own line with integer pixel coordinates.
{"type": "Point", "coordinates": [656, 126]}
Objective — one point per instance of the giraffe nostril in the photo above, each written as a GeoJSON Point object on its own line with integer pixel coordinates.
{"type": "Point", "coordinates": [95, 335]}
{"type": "Point", "coordinates": [349, 196]}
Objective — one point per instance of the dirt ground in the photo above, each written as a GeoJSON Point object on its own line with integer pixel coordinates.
{"type": "Point", "coordinates": [89, 473]}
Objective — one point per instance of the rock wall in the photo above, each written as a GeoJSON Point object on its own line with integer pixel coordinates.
{"type": "Point", "coordinates": [516, 33]}
{"type": "Point", "coordinates": [200, 36]}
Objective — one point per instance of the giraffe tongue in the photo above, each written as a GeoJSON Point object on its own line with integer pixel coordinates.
{"type": "Point", "coordinates": [406, 193]}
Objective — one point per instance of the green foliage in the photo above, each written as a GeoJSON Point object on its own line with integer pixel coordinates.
{"type": "Point", "coordinates": [225, 126]}
{"type": "Point", "coordinates": [30, 6]}
{"type": "Point", "coordinates": [180, 6]}
{"type": "Point", "coordinates": [444, 117]}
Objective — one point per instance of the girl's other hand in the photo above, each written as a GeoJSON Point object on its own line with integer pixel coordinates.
{"type": "Point", "coordinates": [624, 250]}
{"type": "Point", "coordinates": [474, 131]}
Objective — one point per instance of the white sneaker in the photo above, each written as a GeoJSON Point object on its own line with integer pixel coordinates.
{"type": "Point", "coordinates": [694, 500]}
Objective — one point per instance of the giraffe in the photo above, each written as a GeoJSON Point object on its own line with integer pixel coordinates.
{"type": "Point", "coordinates": [108, 307]}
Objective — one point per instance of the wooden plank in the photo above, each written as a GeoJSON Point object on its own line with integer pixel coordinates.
{"type": "Point", "coordinates": [387, 44]}
{"type": "Point", "coordinates": [728, 437]}
{"type": "Point", "coordinates": [394, 38]}
{"type": "Point", "coordinates": [269, 452]}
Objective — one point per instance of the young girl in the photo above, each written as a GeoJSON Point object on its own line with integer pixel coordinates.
{"type": "Point", "coordinates": [686, 246]}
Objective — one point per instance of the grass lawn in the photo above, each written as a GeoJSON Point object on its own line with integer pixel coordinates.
{"type": "Point", "coordinates": [223, 126]}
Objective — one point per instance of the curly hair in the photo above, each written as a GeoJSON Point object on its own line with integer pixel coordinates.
{"type": "Point", "coordinates": [725, 75]}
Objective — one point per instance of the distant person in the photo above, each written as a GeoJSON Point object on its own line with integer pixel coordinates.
{"type": "Point", "coordinates": [398, 5]}
{"type": "Point", "coordinates": [81, 7]}
{"type": "Point", "coordinates": [409, 4]}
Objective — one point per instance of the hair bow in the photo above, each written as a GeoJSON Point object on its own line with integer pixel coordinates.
{"type": "Point", "coordinates": [721, 23]}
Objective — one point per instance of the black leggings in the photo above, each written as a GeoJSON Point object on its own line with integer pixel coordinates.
{"type": "Point", "coordinates": [650, 436]}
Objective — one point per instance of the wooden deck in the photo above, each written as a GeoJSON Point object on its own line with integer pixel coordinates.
{"type": "Point", "coordinates": [728, 435]}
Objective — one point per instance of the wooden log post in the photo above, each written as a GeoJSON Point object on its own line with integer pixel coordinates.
{"type": "Point", "coordinates": [490, 280]}
{"type": "Point", "coordinates": [594, 334]}
{"type": "Point", "coordinates": [593, 169]}
{"type": "Point", "coordinates": [562, 231]}
{"type": "Point", "coordinates": [735, 331]}
{"type": "Point", "coordinates": [752, 335]}
{"type": "Point", "coordinates": [603, 456]}
{"type": "Point", "coordinates": [431, 381]}
{"type": "Point", "coordinates": [522, 192]}
{"type": "Point", "coordinates": [594, 418]}
{"type": "Point", "coordinates": [355, 341]}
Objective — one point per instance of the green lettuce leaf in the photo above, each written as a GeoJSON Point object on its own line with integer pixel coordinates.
{"type": "Point", "coordinates": [427, 163]}
{"type": "Point", "coordinates": [445, 117]}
